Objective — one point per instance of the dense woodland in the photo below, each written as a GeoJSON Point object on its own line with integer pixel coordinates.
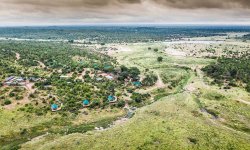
{"type": "Point", "coordinates": [117, 34]}
{"type": "Point", "coordinates": [231, 71]}
{"type": "Point", "coordinates": [55, 55]}
{"type": "Point", "coordinates": [62, 59]}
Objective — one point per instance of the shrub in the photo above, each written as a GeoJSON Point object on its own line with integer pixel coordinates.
{"type": "Point", "coordinates": [121, 103]}
{"type": "Point", "coordinates": [12, 94]}
{"type": "Point", "coordinates": [149, 80]}
{"type": "Point", "coordinates": [248, 87]}
{"type": "Point", "coordinates": [159, 59]}
{"type": "Point", "coordinates": [19, 97]}
{"type": "Point", "coordinates": [214, 96]}
{"type": "Point", "coordinates": [32, 96]}
{"type": "Point", "coordinates": [94, 104]}
{"type": "Point", "coordinates": [23, 131]}
{"type": "Point", "coordinates": [7, 102]}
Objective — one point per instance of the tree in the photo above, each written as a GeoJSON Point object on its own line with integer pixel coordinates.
{"type": "Point", "coordinates": [248, 87]}
{"type": "Point", "coordinates": [71, 41]}
{"type": "Point", "coordinates": [123, 68]}
{"type": "Point", "coordinates": [7, 102]}
{"type": "Point", "coordinates": [156, 49]}
{"type": "Point", "coordinates": [134, 72]}
{"type": "Point", "coordinates": [159, 59]}
{"type": "Point", "coordinates": [149, 80]}
{"type": "Point", "coordinates": [123, 76]}
{"type": "Point", "coordinates": [121, 104]}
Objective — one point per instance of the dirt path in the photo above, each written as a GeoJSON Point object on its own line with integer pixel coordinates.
{"type": "Point", "coordinates": [243, 101]}
{"type": "Point", "coordinates": [18, 56]}
{"type": "Point", "coordinates": [41, 64]}
{"type": "Point", "coordinates": [159, 83]}
{"type": "Point", "coordinates": [176, 53]}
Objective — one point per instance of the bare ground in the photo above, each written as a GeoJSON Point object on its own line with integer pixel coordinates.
{"type": "Point", "coordinates": [23, 101]}
{"type": "Point", "coordinates": [18, 56]}
{"type": "Point", "coordinates": [41, 64]}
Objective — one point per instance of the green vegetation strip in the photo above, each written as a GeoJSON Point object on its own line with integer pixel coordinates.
{"type": "Point", "coordinates": [57, 126]}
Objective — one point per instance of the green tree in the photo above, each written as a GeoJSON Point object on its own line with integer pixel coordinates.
{"type": "Point", "coordinates": [159, 59]}
{"type": "Point", "coordinates": [7, 102]}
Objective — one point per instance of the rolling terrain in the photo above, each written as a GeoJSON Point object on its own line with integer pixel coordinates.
{"type": "Point", "coordinates": [167, 95]}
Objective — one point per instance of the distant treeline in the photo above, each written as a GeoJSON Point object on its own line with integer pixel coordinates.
{"type": "Point", "coordinates": [54, 55]}
{"type": "Point", "coordinates": [107, 34]}
{"type": "Point", "coordinates": [246, 37]}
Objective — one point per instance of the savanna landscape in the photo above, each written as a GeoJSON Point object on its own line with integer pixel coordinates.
{"type": "Point", "coordinates": [188, 92]}
{"type": "Point", "coordinates": [124, 74]}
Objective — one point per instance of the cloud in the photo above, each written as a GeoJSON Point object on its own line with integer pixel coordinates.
{"type": "Point", "coordinates": [194, 4]}
{"type": "Point", "coordinates": [122, 11]}
{"type": "Point", "coordinates": [187, 4]}
{"type": "Point", "coordinates": [70, 3]}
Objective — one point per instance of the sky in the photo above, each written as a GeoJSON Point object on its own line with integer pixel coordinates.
{"type": "Point", "coordinates": [80, 12]}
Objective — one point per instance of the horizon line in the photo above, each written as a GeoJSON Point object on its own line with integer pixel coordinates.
{"type": "Point", "coordinates": [129, 24]}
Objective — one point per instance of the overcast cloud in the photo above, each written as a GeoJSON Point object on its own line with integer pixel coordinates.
{"type": "Point", "coordinates": [58, 12]}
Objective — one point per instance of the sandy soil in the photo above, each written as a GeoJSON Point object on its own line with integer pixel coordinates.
{"type": "Point", "coordinates": [120, 121]}
{"type": "Point", "coordinates": [120, 48]}
{"type": "Point", "coordinates": [159, 83]}
{"type": "Point", "coordinates": [41, 64]}
{"type": "Point", "coordinates": [173, 52]}
{"type": "Point", "coordinates": [17, 56]}
{"type": "Point", "coordinates": [40, 40]}
{"type": "Point", "coordinates": [190, 88]}
{"type": "Point", "coordinates": [193, 42]}
{"type": "Point", "coordinates": [243, 101]}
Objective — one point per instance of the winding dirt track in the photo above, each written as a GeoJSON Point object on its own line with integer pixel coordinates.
{"type": "Point", "coordinates": [159, 83]}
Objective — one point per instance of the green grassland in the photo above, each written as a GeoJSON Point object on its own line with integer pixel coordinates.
{"type": "Point", "coordinates": [173, 125]}
{"type": "Point", "coordinates": [188, 113]}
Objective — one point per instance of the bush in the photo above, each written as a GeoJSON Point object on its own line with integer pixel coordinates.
{"type": "Point", "coordinates": [19, 97]}
{"type": "Point", "coordinates": [94, 104]}
{"type": "Point", "coordinates": [214, 96]}
{"type": "Point", "coordinates": [23, 131]}
{"type": "Point", "coordinates": [7, 102]}
{"type": "Point", "coordinates": [12, 94]}
{"type": "Point", "coordinates": [121, 104]}
{"type": "Point", "coordinates": [248, 87]}
{"type": "Point", "coordinates": [138, 98]}
{"type": "Point", "coordinates": [32, 96]}
{"type": "Point", "coordinates": [159, 59]}
{"type": "Point", "coordinates": [149, 80]}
